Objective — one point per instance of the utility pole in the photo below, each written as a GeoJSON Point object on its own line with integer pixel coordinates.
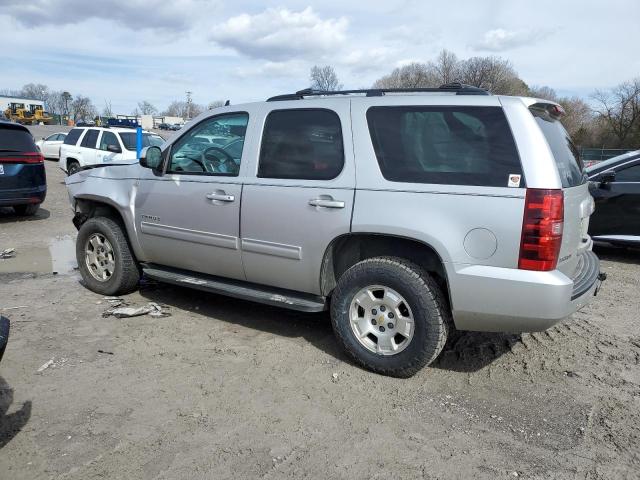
{"type": "Point", "coordinates": [189, 104]}
{"type": "Point", "coordinates": [66, 96]}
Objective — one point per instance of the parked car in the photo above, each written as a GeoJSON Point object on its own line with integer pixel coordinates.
{"type": "Point", "coordinates": [50, 146]}
{"type": "Point", "coordinates": [164, 126]}
{"type": "Point", "coordinates": [175, 127]}
{"type": "Point", "coordinates": [101, 145]}
{"type": "Point", "coordinates": [23, 182]}
{"type": "Point", "coordinates": [4, 334]}
{"type": "Point", "coordinates": [615, 186]}
{"type": "Point", "coordinates": [470, 211]}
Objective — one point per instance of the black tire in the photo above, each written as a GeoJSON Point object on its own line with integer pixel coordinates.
{"type": "Point", "coordinates": [126, 274]}
{"type": "Point", "coordinates": [73, 167]}
{"type": "Point", "coordinates": [26, 210]}
{"type": "Point", "coordinates": [431, 314]}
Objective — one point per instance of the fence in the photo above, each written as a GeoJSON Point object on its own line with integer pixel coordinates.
{"type": "Point", "coordinates": [599, 154]}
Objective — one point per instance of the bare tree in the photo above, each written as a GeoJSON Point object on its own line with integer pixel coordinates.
{"type": "Point", "coordinates": [146, 108]}
{"type": "Point", "coordinates": [413, 75]}
{"type": "Point", "coordinates": [215, 104]}
{"type": "Point", "coordinates": [107, 110]}
{"type": "Point", "coordinates": [494, 74]}
{"type": "Point", "coordinates": [180, 108]}
{"type": "Point", "coordinates": [324, 79]}
{"type": "Point", "coordinates": [619, 110]}
{"type": "Point", "coordinates": [82, 109]}
{"type": "Point", "coordinates": [446, 67]}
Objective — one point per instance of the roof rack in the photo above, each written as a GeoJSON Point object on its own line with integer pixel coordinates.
{"type": "Point", "coordinates": [454, 87]}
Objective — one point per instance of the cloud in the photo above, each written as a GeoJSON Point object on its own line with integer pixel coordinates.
{"type": "Point", "coordinates": [279, 34]}
{"type": "Point", "coordinates": [499, 39]}
{"type": "Point", "coordinates": [174, 15]}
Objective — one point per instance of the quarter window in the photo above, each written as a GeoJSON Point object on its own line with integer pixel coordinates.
{"type": "Point", "coordinates": [90, 139]}
{"type": "Point", "coordinates": [73, 136]}
{"type": "Point", "coordinates": [301, 144]}
{"type": "Point", "coordinates": [445, 145]}
{"type": "Point", "coordinates": [213, 147]}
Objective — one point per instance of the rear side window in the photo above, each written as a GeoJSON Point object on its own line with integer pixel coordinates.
{"type": "Point", "coordinates": [108, 139]}
{"type": "Point", "coordinates": [90, 139]}
{"type": "Point", "coordinates": [564, 151]}
{"type": "Point", "coordinates": [73, 136]}
{"type": "Point", "coordinates": [301, 144]}
{"type": "Point", "coordinates": [16, 140]}
{"type": "Point", "coordinates": [630, 174]}
{"type": "Point", "coordinates": [445, 145]}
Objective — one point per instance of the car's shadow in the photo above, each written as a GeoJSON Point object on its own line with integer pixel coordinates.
{"type": "Point", "coordinates": [618, 254]}
{"type": "Point", "coordinates": [7, 215]}
{"type": "Point", "coordinates": [11, 424]}
{"type": "Point", "coordinates": [470, 351]}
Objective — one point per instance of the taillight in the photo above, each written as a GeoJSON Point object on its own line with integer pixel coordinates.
{"type": "Point", "coordinates": [541, 229]}
{"type": "Point", "coordinates": [27, 157]}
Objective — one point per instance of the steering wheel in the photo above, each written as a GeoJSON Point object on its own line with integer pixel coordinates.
{"type": "Point", "coordinates": [216, 162]}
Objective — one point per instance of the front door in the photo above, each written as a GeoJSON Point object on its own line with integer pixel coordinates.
{"type": "Point", "coordinates": [301, 198]}
{"type": "Point", "coordinates": [189, 217]}
{"type": "Point", "coordinates": [618, 204]}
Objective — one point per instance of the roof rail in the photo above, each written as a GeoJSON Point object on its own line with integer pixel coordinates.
{"type": "Point", "coordinates": [454, 87]}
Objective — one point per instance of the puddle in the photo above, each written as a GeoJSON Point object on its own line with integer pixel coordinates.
{"type": "Point", "coordinates": [58, 256]}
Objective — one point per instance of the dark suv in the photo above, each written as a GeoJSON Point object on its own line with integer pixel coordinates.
{"type": "Point", "coordinates": [23, 182]}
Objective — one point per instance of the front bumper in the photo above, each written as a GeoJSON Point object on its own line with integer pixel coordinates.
{"type": "Point", "coordinates": [498, 299]}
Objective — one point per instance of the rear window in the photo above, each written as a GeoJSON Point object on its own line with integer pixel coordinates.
{"type": "Point", "coordinates": [445, 145]}
{"type": "Point", "coordinates": [564, 151]}
{"type": "Point", "coordinates": [73, 136]}
{"type": "Point", "coordinates": [16, 140]}
{"type": "Point", "coordinates": [148, 140]}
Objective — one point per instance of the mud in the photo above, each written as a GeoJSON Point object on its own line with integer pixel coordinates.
{"type": "Point", "coordinates": [230, 389]}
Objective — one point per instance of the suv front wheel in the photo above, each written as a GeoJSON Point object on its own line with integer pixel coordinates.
{"type": "Point", "coordinates": [390, 316]}
{"type": "Point", "coordinates": [104, 258]}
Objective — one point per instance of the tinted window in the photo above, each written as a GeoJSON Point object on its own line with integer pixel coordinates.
{"type": "Point", "coordinates": [61, 136]}
{"type": "Point", "coordinates": [631, 174]}
{"type": "Point", "coordinates": [73, 136]}
{"type": "Point", "coordinates": [90, 139]}
{"type": "Point", "coordinates": [108, 138]}
{"type": "Point", "coordinates": [16, 140]}
{"type": "Point", "coordinates": [148, 140]}
{"type": "Point", "coordinates": [52, 138]}
{"type": "Point", "coordinates": [445, 145]}
{"type": "Point", "coordinates": [564, 151]}
{"type": "Point", "coordinates": [203, 150]}
{"type": "Point", "coordinates": [301, 144]}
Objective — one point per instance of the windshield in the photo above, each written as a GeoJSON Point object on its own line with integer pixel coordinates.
{"type": "Point", "coordinates": [148, 140]}
{"type": "Point", "coordinates": [564, 151]}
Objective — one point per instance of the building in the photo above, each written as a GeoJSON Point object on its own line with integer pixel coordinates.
{"type": "Point", "coordinates": [29, 103]}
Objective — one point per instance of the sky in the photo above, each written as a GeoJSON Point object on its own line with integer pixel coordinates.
{"type": "Point", "coordinates": [126, 51]}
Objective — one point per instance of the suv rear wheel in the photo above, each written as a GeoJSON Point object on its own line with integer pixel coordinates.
{"type": "Point", "coordinates": [73, 167]}
{"type": "Point", "coordinates": [390, 316]}
{"type": "Point", "coordinates": [104, 258]}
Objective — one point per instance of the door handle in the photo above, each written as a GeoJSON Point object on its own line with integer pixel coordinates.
{"type": "Point", "coordinates": [326, 203]}
{"type": "Point", "coordinates": [220, 197]}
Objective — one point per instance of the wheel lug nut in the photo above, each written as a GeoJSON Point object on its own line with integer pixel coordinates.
{"type": "Point", "coordinates": [390, 325]}
{"type": "Point", "coordinates": [373, 321]}
{"type": "Point", "coordinates": [381, 328]}
{"type": "Point", "coordinates": [383, 308]}
{"type": "Point", "coordinates": [391, 315]}
{"type": "Point", "coordinates": [374, 312]}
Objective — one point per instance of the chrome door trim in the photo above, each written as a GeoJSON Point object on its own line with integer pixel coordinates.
{"type": "Point", "coordinates": [271, 248]}
{"type": "Point", "coordinates": [189, 235]}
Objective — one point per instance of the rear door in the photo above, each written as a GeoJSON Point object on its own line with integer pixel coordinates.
{"type": "Point", "coordinates": [578, 203]}
{"type": "Point", "coordinates": [301, 197]}
{"type": "Point", "coordinates": [21, 165]}
{"type": "Point", "coordinates": [88, 147]}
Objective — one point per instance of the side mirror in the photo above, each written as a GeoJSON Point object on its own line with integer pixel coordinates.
{"type": "Point", "coordinates": [606, 179]}
{"type": "Point", "coordinates": [114, 149]}
{"type": "Point", "coordinates": [151, 157]}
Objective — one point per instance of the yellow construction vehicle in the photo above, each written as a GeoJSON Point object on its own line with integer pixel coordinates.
{"type": "Point", "coordinates": [39, 115]}
{"type": "Point", "coordinates": [17, 113]}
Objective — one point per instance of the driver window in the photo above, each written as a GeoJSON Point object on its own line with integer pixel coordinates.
{"type": "Point", "coordinates": [213, 147]}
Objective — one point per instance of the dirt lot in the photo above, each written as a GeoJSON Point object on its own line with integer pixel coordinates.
{"type": "Point", "coordinates": [229, 389]}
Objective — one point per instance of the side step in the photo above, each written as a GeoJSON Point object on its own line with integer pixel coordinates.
{"type": "Point", "coordinates": [302, 302]}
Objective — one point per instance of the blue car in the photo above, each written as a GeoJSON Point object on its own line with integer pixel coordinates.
{"type": "Point", "coordinates": [4, 335]}
{"type": "Point", "coordinates": [23, 182]}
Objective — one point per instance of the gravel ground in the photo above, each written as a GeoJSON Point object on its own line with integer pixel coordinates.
{"type": "Point", "coordinates": [229, 389]}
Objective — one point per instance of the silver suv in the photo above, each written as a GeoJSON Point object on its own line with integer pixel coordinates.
{"type": "Point", "coordinates": [407, 214]}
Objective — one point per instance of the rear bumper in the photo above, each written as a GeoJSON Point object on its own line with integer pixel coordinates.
{"type": "Point", "coordinates": [23, 196]}
{"type": "Point", "coordinates": [509, 300]}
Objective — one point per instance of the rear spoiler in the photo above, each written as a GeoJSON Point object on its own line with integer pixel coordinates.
{"type": "Point", "coordinates": [552, 108]}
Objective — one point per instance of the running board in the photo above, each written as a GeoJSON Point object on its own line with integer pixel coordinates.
{"type": "Point", "coordinates": [302, 302]}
